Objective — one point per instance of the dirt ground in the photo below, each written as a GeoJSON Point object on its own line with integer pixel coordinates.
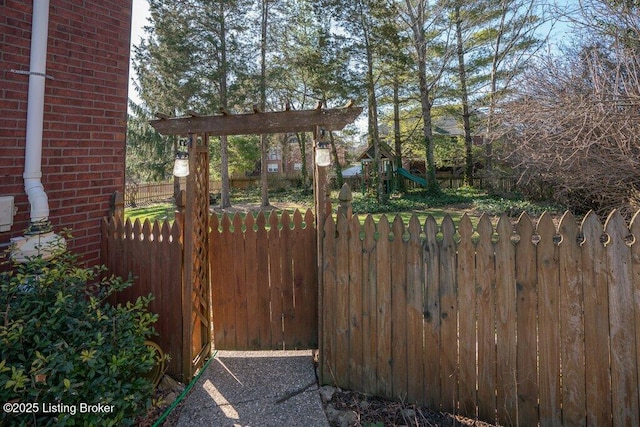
{"type": "Point", "coordinates": [351, 409]}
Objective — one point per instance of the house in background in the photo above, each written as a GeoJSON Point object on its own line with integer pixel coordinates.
{"type": "Point", "coordinates": [284, 159]}
{"type": "Point", "coordinates": [85, 113]}
{"type": "Point", "coordinates": [293, 155]}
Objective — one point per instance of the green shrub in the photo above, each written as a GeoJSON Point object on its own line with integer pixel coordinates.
{"type": "Point", "coordinates": [63, 346]}
{"type": "Point", "coordinates": [513, 207]}
{"type": "Point", "coordinates": [413, 201]}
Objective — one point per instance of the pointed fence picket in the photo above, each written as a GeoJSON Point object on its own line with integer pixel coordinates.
{"type": "Point", "coordinates": [514, 324]}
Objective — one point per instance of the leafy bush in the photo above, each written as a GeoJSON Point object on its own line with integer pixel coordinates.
{"type": "Point", "coordinates": [63, 346]}
{"type": "Point", "coordinates": [511, 204]}
{"type": "Point", "coordinates": [413, 201]}
{"type": "Point", "coordinates": [513, 207]}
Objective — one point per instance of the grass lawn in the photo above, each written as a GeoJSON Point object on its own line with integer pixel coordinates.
{"type": "Point", "coordinates": [452, 202]}
{"type": "Point", "coordinates": [154, 212]}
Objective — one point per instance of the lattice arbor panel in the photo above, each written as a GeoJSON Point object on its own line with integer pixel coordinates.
{"type": "Point", "coordinates": [197, 287]}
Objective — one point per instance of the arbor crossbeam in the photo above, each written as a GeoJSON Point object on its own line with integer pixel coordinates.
{"type": "Point", "coordinates": [258, 123]}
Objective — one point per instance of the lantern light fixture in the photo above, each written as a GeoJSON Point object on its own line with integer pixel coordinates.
{"type": "Point", "coordinates": [181, 164]}
{"type": "Point", "coordinates": [323, 155]}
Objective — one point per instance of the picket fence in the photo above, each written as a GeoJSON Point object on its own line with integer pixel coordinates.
{"type": "Point", "coordinates": [521, 324]}
{"type": "Point", "coordinates": [263, 274]}
{"type": "Point", "coordinates": [151, 254]}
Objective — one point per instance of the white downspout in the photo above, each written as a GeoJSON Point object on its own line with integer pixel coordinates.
{"type": "Point", "coordinates": [35, 114]}
{"type": "Point", "coordinates": [38, 239]}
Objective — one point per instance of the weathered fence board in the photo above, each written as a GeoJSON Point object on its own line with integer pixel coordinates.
{"type": "Point", "coordinates": [571, 323]}
{"type": "Point", "coordinates": [596, 322]}
{"type": "Point", "coordinates": [329, 304]}
{"type": "Point", "coordinates": [369, 281]}
{"type": "Point", "coordinates": [263, 315]}
{"type": "Point", "coordinates": [513, 325]}
{"type": "Point", "coordinates": [635, 281]}
{"type": "Point", "coordinates": [415, 316]}
{"type": "Point", "coordinates": [448, 317]}
{"type": "Point", "coordinates": [383, 308]}
{"type": "Point", "coordinates": [506, 382]}
{"type": "Point", "coordinates": [548, 322]}
{"type": "Point", "coordinates": [398, 311]}
{"type": "Point", "coordinates": [485, 285]}
{"type": "Point", "coordinates": [432, 346]}
{"type": "Point", "coordinates": [624, 369]}
{"type": "Point", "coordinates": [466, 273]}
{"type": "Point", "coordinates": [341, 329]}
{"type": "Point", "coordinates": [526, 323]}
{"type": "Point", "coordinates": [356, 304]}
{"type": "Point", "coordinates": [252, 278]}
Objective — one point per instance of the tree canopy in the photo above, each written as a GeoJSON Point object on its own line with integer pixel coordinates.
{"type": "Point", "coordinates": [485, 64]}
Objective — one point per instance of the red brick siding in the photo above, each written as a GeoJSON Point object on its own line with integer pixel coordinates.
{"type": "Point", "coordinates": [84, 115]}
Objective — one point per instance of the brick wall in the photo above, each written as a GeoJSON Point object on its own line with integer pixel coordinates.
{"type": "Point", "coordinates": [84, 114]}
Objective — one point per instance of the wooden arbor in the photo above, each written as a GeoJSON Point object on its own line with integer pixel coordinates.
{"type": "Point", "coordinates": [196, 289]}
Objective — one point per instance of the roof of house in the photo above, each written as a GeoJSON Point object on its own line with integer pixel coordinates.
{"type": "Point", "coordinates": [351, 171]}
{"type": "Point", "coordinates": [385, 152]}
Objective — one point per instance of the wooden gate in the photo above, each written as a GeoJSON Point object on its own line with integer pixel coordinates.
{"type": "Point", "coordinates": [264, 281]}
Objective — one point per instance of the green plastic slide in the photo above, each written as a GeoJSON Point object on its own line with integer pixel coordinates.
{"type": "Point", "coordinates": [412, 177]}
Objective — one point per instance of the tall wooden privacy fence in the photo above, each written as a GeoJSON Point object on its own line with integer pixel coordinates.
{"type": "Point", "coordinates": [264, 281]}
{"type": "Point", "coordinates": [521, 324]}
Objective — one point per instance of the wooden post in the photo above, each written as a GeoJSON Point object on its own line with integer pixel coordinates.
{"type": "Point", "coordinates": [345, 198]}
{"type": "Point", "coordinates": [116, 205]}
{"type": "Point", "coordinates": [185, 359]}
{"type": "Point", "coordinates": [320, 202]}
{"type": "Point", "coordinates": [187, 266]}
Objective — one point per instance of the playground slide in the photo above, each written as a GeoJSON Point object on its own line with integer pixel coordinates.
{"type": "Point", "coordinates": [412, 177]}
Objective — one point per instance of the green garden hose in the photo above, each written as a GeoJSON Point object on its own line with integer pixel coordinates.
{"type": "Point", "coordinates": [176, 402]}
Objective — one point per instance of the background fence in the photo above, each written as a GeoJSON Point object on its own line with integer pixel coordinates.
{"type": "Point", "coordinates": [517, 325]}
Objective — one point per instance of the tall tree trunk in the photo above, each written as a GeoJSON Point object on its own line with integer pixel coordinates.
{"type": "Point", "coordinates": [432, 184]}
{"type": "Point", "coordinates": [417, 15]}
{"type": "Point", "coordinates": [374, 136]}
{"type": "Point", "coordinates": [225, 190]}
{"type": "Point", "coordinates": [462, 75]}
{"type": "Point", "coordinates": [264, 146]}
{"type": "Point", "coordinates": [336, 160]}
{"type": "Point", "coordinates": [304, 172]}
{"type": "Point", "coordinates": [492, 94]}
{"type": "Point", "coordinates": [264, 183]}
{"type": "Point", "coordinates": [396, 132]}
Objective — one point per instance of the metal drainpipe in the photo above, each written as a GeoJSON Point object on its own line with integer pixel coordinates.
{"type": "Point", "coordinates": [39, 238]}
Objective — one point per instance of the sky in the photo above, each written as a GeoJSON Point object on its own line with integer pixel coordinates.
{"type": "Point", "coordinates": [139, 16]}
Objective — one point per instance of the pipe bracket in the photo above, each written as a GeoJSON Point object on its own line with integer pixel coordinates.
{"type": "Point", "coordinates": [32, 73]}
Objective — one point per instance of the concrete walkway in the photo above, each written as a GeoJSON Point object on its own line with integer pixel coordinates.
{"type": "Point", "coordinates": [258, 388]}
